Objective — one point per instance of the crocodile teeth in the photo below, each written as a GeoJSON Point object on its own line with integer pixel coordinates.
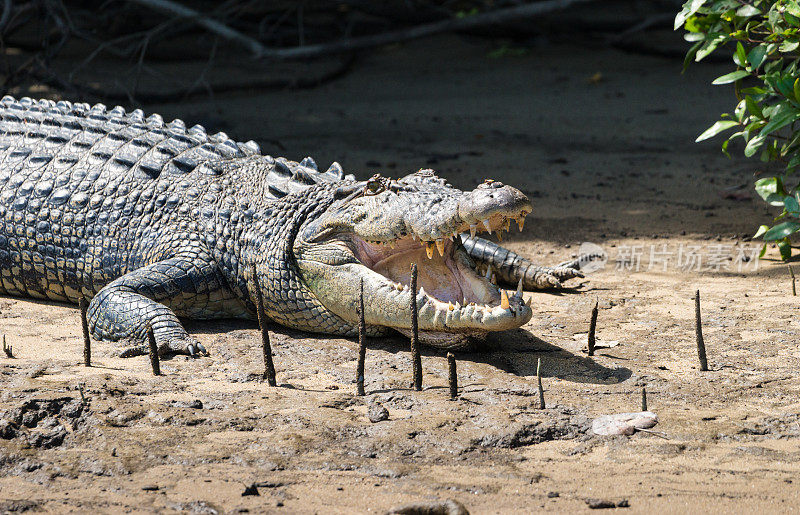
{"type": "Point", "coordinates": [500, 234]}
{"type": "Point", "coordinates": [504, 300]}
{"type": "Point", "coordinates": [473, 229]}
{"type": "Point", "coordinates": [440, 247]}
{"type": "Point", "coordinates": [488, 273]}
{"type": "Point", "coordinates": [429, 250]}
{"type": "Point", "coordinates": [521, 222]}
{"type": "Point", "coordinates": [530, 301]}
{"type": "Point", "coordinates": [507, 224]}
{"type": "Point", "coordinates": [494, 279]}
{"type": "Point", "coordinates": [519, 289]}
{"type": "Point", "coordinates": [487, 225]}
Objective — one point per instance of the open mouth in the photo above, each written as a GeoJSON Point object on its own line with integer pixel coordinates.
{"type": "Point", "coordinates": [453, 296]}
{"type": "Point", "coordinates": [367, 245]}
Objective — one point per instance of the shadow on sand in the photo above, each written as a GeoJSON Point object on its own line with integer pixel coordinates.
{"type": "Point", "coordinates": [515, 352]}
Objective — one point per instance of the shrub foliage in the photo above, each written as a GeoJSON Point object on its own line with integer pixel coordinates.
{"type": "Point", "coordinates": [763, 37]}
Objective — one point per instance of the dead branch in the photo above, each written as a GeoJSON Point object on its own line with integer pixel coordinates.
{"type": "Point", "coordinates": [257, 49]}
{"type": "Point", "coordinates": [360, 43]}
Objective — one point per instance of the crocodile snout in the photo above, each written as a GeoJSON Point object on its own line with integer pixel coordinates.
{"type": "Point", "coordinates": [493, 199]}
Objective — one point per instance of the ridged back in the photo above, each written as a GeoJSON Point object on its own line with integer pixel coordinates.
{"type": "Point", "coordinates": [36, 133]}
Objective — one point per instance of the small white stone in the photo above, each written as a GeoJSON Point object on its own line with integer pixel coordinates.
{"type": "Point", "coordinates": [624, 423]}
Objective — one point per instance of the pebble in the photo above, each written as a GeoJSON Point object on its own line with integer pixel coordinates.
{"type": "Point", "coordinates": [624, 423]}
{"type": "Point", "coordinates": [377, 413]}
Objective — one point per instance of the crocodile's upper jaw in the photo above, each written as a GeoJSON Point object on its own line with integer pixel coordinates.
{"type": "Point", "coordinates": [376, 240]}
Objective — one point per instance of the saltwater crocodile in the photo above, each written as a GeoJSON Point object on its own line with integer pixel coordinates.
{"type": "Point", "coordinates": [153, 221]}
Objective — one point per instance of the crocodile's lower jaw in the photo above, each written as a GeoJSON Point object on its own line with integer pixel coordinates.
{"type": "Point", "coordinates": [455, 304]}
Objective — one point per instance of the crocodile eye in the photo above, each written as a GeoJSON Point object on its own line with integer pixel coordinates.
{"type": "Point", "coordinates": [375, 185]}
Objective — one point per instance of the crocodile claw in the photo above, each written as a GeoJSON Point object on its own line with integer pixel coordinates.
{"type": "Point", "coordinates": [548, 281]}
{"type": "Point", "coordinates": [196, 350]}
{"type": "Point", "coordinates": [565, 272]}
{"type": "Point", "coordinates": [550, 278]}
{"type": "Point", "coordinates": [192, 348]}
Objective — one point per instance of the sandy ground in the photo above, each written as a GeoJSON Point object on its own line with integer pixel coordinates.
{"type": "Point", "coordinates": [610, 160]}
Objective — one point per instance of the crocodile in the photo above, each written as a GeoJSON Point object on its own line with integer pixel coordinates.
{"type": "Point", "coordinates": [152, 222]}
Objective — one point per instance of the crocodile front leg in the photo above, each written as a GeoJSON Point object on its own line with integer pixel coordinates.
{"type": "Point", "coordinates": [154, 296]}
{"type": "Point", "coordinates": [509, 267]}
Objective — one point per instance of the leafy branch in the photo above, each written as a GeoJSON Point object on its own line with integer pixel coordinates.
{"type": "Point", "coordinates": [763, 37]}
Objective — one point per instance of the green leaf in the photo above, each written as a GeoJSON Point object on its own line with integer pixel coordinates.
{"type": "Point", "coordinates": [740, 57]}
{"type": "Point", "coordinates": [689, 8]}
{"type": "Point", "coordinates": [753, 145]}
{"type": "Point", "coordinates": [731, 77]}
{"type": "Point", "coordinates": [785, 86]}
{"type": "Point", "coordinates": [781, 231]}
{"type": "Point", "coordinates": [793, 20]}
{"type": "Point", "coordinates": [771, 190]}
{"type": "Point", "coordinates": [793, 8]}
{"type": "Point", "coordinates": [740, 112]}
{"type": "Point", "coordinates": [790, 205]}
{"type": "Point", "coordinates": [754, 91]}
{"type": "Point", "coordinates": [789, 46]}
{"type": "Point", "coordinates": [756, 56]}
{"type": "Point", "coordinates": [782, 115]}
{"type": "Point", "coordinates": [709, 46]}
{"type": "Point", "coordinates": [747, 11]}
{"type": "Point", "coordinates": [785, 249]}
{"type": "Point", "coordinates": [753, 107]}
{"type": "Point", "coordinates": [690, 55]}
{"type": "Point", "coordinates": [715, 129]}
{"type": "Point", "coordinates": [761, 230]}
{"type": "Point", "coordinates": [763, 251]}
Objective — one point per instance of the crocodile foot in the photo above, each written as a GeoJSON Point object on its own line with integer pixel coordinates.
{"type": "Point", "coordinates": [186, 346]}
{"type": "Point", "coordinates": [547, 278]}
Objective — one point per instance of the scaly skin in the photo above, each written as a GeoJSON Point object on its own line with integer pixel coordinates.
{"type": "Point", "coordinates": [153, 221]}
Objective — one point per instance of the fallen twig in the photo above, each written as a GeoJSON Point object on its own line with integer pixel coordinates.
{"type": "Point", "coordinates": [644, 399]}
{"type": "Point", "coordinates": [220, 29]}
{"type": "Point", "coordinates": [659, 434]}
{"type": "Point", "coordinates": [794, 286]}
{"type": "Point", "coordinates": [347, 45]}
